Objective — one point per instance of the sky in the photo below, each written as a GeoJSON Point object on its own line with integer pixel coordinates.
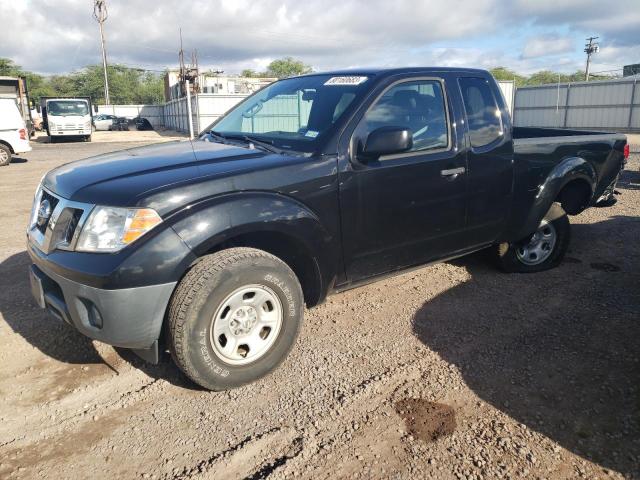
{"type": "Point", "coordinates": [59, 36]}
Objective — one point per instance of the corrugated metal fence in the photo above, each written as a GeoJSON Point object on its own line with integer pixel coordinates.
{"type": "Point", "coordinates": [600, 105]}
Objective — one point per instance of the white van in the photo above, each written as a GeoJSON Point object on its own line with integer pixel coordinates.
{"type": "Point", "coordinates": [14, 137]}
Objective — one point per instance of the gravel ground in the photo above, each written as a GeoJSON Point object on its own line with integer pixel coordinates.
{"type": "Point", "coordinates": [450, 371]}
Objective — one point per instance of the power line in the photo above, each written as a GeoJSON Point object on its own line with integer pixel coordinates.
{"type": "Point", "coordinates": [100, 14]}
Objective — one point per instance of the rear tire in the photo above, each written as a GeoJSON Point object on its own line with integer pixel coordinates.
{"type": "Point", "coordinates": [234, 317]}
{"type": "Point", "coordinates": [5, 155]}
{"type": "Point", "coordinates": [541, 251]}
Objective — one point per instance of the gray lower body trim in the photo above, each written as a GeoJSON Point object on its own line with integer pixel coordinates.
{"type": "Point", "coordinates": [129, 317]}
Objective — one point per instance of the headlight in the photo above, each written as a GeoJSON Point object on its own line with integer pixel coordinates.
{"type": "Point", "coordinates": [109, 229]}
{"type": "Point", "coordinates": [36, 204]}
{"type": "Point", "coordinates": [52, 124]}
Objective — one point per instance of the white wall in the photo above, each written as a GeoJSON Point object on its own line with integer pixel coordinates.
{"type": "Point", "coordinates": [153, 113]}
{"type": "Point", "coordinates": [508, 92]}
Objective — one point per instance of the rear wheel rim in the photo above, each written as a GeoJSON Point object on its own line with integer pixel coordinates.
{"type": "Point", "coordinates": [4, 155]}
{"type": "Point", "coordinates": [540, 246]}
{"type": "Point", "coordinates": [246, 324]}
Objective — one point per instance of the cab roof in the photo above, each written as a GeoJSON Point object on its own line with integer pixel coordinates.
{"type": "Point", "coordinates": [383, 72]}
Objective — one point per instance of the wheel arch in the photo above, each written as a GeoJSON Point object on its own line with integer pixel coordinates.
{"type": "Point", "coordinates": [274, 223]}
{"type": "Point", "coordinates": [565, 185]}
{"type": "Point", "coordinates": [8, 145]}
{"type": "Point", "coordinates": [575, 195]}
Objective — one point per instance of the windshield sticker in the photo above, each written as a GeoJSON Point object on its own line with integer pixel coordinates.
{"type": "Point", "coordinates": [311, 134]}
{"type": "Point", "coordinates": [345, 80]}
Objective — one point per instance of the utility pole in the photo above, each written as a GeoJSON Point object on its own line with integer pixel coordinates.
{"type": "Point", "coordinates": [590, 48]}
{"type": "Point", "coordinates": [100, 14]}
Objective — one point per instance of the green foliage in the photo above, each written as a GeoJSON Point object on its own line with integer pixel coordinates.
{"type": "Point", "coordinates": [281, 68]}
{"type": "Point", "coordinates": [249, 73]}
{"type": "Point", "coordinates": [126, 85]}
{"type": "Point", "coordinates": [542, 77]}
{"type": "Point", "coordinates": [287, 67]}
{"type": "Point", "coordinates": [503, 73]}
{"type": "Point", "coordinates": [9, 69]}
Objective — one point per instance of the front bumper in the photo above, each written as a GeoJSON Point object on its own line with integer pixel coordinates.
{"type": "Point", "coordinates": [117, 298]}
{"type": "Point", "coordinates": [21, 146]}
{"type": "Point", "coordinates": [128, 317]}
{"type": "Point", "coordinates": [71, 133]}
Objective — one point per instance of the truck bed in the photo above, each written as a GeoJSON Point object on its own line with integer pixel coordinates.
{"type": "Point", "coordinates": [545, 155]}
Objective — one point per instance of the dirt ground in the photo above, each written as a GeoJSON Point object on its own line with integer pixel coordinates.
{"type": "Point", "coordinates": [133, 135]}
{"type": "Point", "coordinates": [453, 371]}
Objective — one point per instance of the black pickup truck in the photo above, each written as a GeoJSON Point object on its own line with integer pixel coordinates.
{"type": "Point", "coordinates": [313, 185]}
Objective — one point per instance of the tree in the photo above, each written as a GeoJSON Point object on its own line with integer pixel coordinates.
{"type": "Point", "coordinates": [503, 73]}
{"type": "Point", "coordinates": [249, 73]}
{"type": "Point", "coordinates": [287, 67]}
{"type": "Point", "coordinates": [8, 68]}
{"type": "Point", "coordinates": [126, 85]}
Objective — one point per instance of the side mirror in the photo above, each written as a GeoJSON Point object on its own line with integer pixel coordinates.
{"type": "Point", "coordinates": [386, 141]}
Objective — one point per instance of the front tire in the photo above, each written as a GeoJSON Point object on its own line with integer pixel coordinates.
{"type": "Point", "coordinates": [234, 317]}
{"type": "Point", "coordinates": [541, 251]}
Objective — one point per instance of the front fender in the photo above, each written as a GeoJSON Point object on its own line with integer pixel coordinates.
{"type": "Point", "coordinates": [568, 170]}
{"type": "Point", "coordinates": [226, 217]}
{"type": "Point", "coordinates": [221, 218]}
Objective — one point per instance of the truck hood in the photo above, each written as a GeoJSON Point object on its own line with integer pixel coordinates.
{"type": "Point", "coordinates": [121, 178]}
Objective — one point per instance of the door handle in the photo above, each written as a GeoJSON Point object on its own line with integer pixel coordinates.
{"type": "Point", "coordinates": [452, 173]}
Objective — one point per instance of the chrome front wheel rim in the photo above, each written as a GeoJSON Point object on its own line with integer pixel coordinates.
{"type": "Point", "coordinates": [246, 324]}
{"type": "Point", "coordinates": [540, 245]}
{"type": "Point", "coordinates": [4, 156]}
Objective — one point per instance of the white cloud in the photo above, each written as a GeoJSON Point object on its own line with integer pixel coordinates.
{"type": "Point", "coordinates": [541, 46]}
{"type": "Point", "coordinates": [60, 35]}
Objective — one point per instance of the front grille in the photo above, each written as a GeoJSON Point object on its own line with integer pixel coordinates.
{"type": "Point", "coordinates": [65, 227]}
{"type": "Point", "coordinates": [73, 224]}
{"type": "Point", "coordinates": [61, 229]}
{"type": "Point", "coordinates": [53, 202]}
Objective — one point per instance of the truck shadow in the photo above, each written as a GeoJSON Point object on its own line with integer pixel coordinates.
{"type": "Point", "coordinates": [19, 310]}
{"type": "Point", "coordinates": [56, 339]}
{"type": "Point", "coordinates": [556, 351]}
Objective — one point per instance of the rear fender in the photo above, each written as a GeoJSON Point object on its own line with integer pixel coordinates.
{"type": "Point", "coordinates": [568, 170]}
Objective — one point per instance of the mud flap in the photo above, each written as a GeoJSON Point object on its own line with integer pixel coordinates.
{"type": "Point", "coordinates": [151, 354]}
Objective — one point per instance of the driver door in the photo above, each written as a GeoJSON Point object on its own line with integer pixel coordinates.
{"type": "Point", "coordinates": [406, 208]}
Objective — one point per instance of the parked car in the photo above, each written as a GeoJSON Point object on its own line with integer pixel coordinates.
{"type": "Point", "coordinates": [103, 121]}
{"type": "Point", "coordinates": [120, 124]}
{"type": "Point", "coordinates": [14, 137]}
{"type": "Point", "coordinates": [211, 248]}
{"type": "Point", "coordinates": [142, 123]}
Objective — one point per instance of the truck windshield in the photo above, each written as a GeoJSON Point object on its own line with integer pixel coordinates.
{"type": "Point", "coordinates": [292, 114]}
{"type": "Point", "coordinates": [66, 108]}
